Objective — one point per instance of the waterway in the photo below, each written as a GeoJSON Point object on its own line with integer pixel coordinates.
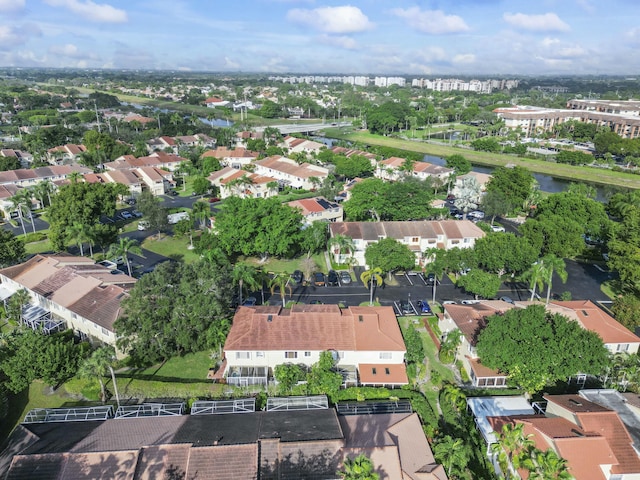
{"type": "Point", "coordinates": [546, 183]}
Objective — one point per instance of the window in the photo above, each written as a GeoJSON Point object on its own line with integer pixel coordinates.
{"type": "Point", "coordinates": [455, 242]}
{"type": "Point", "coordinates": [385, 355]}
{"type": "Point", "coordinates": [415, 239]}
{"type": "Point", "coordinates": [307, 354]}
{"type": "Point", "coordinates": [622, 347]}
{"type": "Point", "coordinates": [243, 355]}
{"type": "Point", "coordinates": [386, 371]}
{"type": "Point", "coordinates": [290, 354]}
{"type": "Point", "coordinates": [259, 354]}
{"type": "Point", "coordinates": [374, 371]}
{"type": "Point", "coordinates": [467, 240]}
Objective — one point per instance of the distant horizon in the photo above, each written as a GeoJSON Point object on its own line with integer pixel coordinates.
{"type": "Point", "coordinates": [495, 76]}
{"type": "Point", "coordinates": [432, 37]}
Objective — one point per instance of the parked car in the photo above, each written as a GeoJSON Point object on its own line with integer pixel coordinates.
{"type": "Point", "coordinates": [424, 306]}
{"type": "Point", "coordinates": [345, 278]}
{"type": "Point", "coordinates": [469, 302]}
{"type": "Point", "coordinates": [405, 307]}
{"type": "Point", "coordinates": [506, 299]}
{"type": "Point", "coordinates": [173, 193]}
{"type": "Point", "coordinates": [126, 215]}
{"type": "Point", "coordinates": [430, 279]}
{"type": "Point", "coordinates": [497, 228]}
{"type": "Point", "coordinates": [448, 302]}
{"type": "Point", "coordinates": [214, 199]}
{"type": "Point", "coordinates": [130, 201]}
{"type": "Point", "coordinates": [332, 278]}
{"type": "Point", "coordinates": [136, 213]}
{"type": "Point", "coordinates": [319, 279]}
{"type": "Point", "coordinates": [143, 225]}
{"type": "Point", "coordinates": [249, 302]}
{"type": "Point", "coordinates": [297, 277]}
{"type": "Point", "coordinates": [315, 302]}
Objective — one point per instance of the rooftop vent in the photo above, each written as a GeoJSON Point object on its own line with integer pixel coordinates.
{"type": "Point", "coordinates": [269, 318]}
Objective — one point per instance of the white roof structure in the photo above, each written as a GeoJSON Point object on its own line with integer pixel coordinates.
{"type": "Point", "coordinates": [483, 407]}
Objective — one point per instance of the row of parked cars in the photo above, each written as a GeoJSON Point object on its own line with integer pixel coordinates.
{"type": "Point", "coordinates": [319, 279]}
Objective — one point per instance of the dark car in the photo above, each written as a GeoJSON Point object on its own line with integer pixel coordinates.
{"type": "Point", "coordinates": [214, 200]}
{"type": "Point", "coordinates": [249, 302]}
{"type": "Point", "coordinates": [345, 278]}
{"type": "Point", "coordinates": [430, 279]}
{"type": "Point", "coordinates": [332, 278]}
{"type": "Point", "coordinates": [173, 193]}
{"type": "Point", "coordinates": [405, 307]}
{"type": "Point", "coordinates": [424, 306]}
{"type": "Point", "coordinates": [319, 279]}
{"type": "Point", "coordinates": [297, 277]}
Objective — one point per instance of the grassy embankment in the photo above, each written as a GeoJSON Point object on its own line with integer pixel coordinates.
{"type": "Point", "coordinates": [568, 172]}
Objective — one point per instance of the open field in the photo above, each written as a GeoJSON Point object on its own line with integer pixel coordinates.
{"type": "Point", "coordinates": [171, 247]}
{"type": "Point", "coordinates": [564, 171]}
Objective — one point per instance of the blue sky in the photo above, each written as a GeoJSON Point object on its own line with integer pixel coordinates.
{"type": "Point", "coordinates": [426, 38]}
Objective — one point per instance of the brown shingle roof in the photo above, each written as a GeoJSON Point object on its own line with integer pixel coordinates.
{"type": "Point", "coordinates": [315, 327]}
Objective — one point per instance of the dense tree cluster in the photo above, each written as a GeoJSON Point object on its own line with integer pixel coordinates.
{"type": "Point", "coordinates": [536, 348]}
{"type": "Point", "coordinates": [375, 199]}
{"type": "Point", "coordinates": [176, 309]}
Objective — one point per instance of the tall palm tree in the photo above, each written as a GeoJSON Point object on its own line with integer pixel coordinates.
{"type": "Point", "coordinates": [516, 445]}
{"type": "Point", "coordinates": [246, 276]}
{"type": "Point", "coordinates": [122, 249]}
{"type": "Point", "coordinates": [553, 265]}
{"type": "Point", "coordinates": [97, 366]}
{"type": "Point", "coordinates": [536, 276]}
{"type": "Point", "coordinates": [79, 233]}
{"type": "Point", "coordinates": [74, 177]}
{"type": "Point", "coordinates": [341, 245]}
{"type": "Point", "coordinates": [19, 203]}
{"type": "Point", "coordinates": [437, 265]}
{"type": "Point", "coordinates": [281, 282]}
{"type": "Point", "coordinates": [358, 468]}
{"type": "Point", "coordinates": [16, 302]}
{"type": "Point", "coordinates": [373, 278]}
{"type": "Point", "coordinates": [201, 211]}
{"type": "Point", "coordinates": [547, 465]}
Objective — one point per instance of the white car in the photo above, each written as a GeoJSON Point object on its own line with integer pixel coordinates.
{"type": "Point", "coordinates": [497, 228]}
{"type": "Point", "coordinates": [126, 215]}
{"type": "Point", "coordinates": [143, 225]}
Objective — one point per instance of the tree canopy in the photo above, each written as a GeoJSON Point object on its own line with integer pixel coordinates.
{"type": "Point", "coordinates": [480, 283]}
{"type": "Point", "coordinates": [11, 248]}
{"type": "Point", "coordinates": [375, 199]}
{"type": "Point", "coordinates": [389, 255]}
{"type": "Point", "coordinates": [505, 253]}
{"type": "Point", "coordinates": [516, 184]}
{"type": "Point", "coordinates": [176, 309]}
{"type": "Point", "coordinates": [82, 203]}
{"type": "Point", "coordinates": [536, 348]}
{"type": "Point", "coordinates": [257, 226]}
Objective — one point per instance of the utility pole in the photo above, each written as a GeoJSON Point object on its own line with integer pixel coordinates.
{"type": "Point", "coordinates": [115, 386]}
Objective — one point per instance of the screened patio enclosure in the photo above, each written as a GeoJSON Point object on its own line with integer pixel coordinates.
{"type": "Point", "coordinates": [39, 319]}
{"type": "Point", "coordinates": [245, 376]}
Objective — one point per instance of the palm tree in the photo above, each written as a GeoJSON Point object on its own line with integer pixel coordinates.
{"type": "Point", "coordinates": [201, 211]}
{"type": "Point", "coordinates": [74, 177]}
{"type": "Point", "coordinates": [553, 265]}
{"type": "Point", "coordinates": [454, 395]}
{"type": "Point", "coordinates": [536, 276]}
{"type": "Point", "coordinates": [373, 278]}
{"type": "Point", "coordinates": [281, 282]}
{"type": "Point", "coordinates": [359, 468]}
{"type": "Point", "coordinates": [16, 302]}
{"type": "Point", "coordinates": [97, 365]}
{"type": "Point", "coordinates": [122, 249]}
{"type": "Point", "coordinates": [437, 265]}
{"type": "Point", "coordinates": [515, 444]}
{"type": "Point", "coordinates": [19, 202]}
{"type": "Point", "coordinates": [79, 233]}
{"type": "Point", "coordinates": [450, 345]}
{"type": "Point", "coordinates": [547, 465]}
{"type": "Point", "coordinates": [451, 454]}
{"type": "Point", "coordinates": [341, 245]}
{"type": "Point", "coordinates": [246, 276]}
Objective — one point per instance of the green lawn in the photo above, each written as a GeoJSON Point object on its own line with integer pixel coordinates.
{"type": "Point", "coordinates": [38, 247]}
{"type": "Point", "coordinates": [171, 247]}
{"type": "Point", "coordinates": [284, 265]}
{"type": "Point", "coordinates": [180, 377]}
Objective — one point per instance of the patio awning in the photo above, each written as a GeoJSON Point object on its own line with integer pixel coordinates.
{"type": "Point", "coordinates": [383, 374]}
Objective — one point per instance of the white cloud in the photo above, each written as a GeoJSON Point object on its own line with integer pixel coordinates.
{"type": "Point", "coordinates": [92, 11]}
{"type": "Point", "coordinates": [345, 19]}
{"type": "Point", "coordinates": [547, 22]}
{"type": "Point", "coordinates": [464, 58]}
{"type": "Point", "coordinates": [71, 51]}
{"type": "Point", "coordinates": [432, 54]}
{"type": "Point", "coordinates": [434, 22]}
{"type": "Point", "coordinates": [341, 41]}
{"type": "Point", "coordinates": [230, 64]}
{"type": "Point", "coordinates": [11, 37]}
{"type": "Point", "coordinates": [549, 42]}
{"type": "Point", "coordinates": [12, 5]}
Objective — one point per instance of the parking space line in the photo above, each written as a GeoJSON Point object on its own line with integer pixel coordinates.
{"type": "Point", "coordinates": [407, 275]}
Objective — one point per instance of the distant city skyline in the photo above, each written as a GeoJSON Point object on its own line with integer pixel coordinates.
{"type": "Point", "coordinates": [422, 38]}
